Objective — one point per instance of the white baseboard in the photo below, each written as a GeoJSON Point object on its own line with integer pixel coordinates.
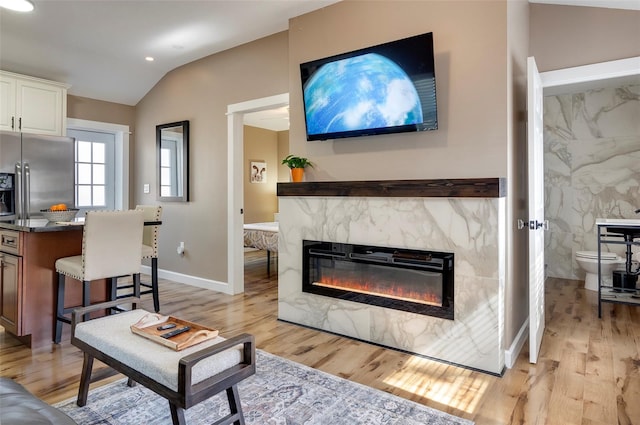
{"type": "Point", "coordinates": [511, 355]}
{"type": "Point", "coordinates": [190, 280]}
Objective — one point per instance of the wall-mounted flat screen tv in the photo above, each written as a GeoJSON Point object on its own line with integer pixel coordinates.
{"type": "Point", "coordinates": [389, 88]}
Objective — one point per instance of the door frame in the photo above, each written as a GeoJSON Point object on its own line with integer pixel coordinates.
{"type": "Point", "coordinates": [554, 81]}
{"type": "Point", "coordinates": [578, 78]}
{"type": "Point", "coordinates": [235, 184]}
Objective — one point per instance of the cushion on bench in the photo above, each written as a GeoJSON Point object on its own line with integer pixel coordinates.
{"type": "Point", "coordinates": [112, 335]}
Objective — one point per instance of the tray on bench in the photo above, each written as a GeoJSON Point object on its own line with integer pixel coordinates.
{"type": "Point", "coordinates": [148, 325]}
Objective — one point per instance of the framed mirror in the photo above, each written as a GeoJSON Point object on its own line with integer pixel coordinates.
{"type": "Point", "coordinates": [172, 150]}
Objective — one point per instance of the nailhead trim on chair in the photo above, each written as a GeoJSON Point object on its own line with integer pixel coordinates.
{"type": "Point", "coordinates": [71, 275]}
{"type": "Point", "coordinates": [154, 229]}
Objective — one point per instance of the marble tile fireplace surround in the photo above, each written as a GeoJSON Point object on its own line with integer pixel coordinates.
{"type": "Point", "coordinates": [465, 217]}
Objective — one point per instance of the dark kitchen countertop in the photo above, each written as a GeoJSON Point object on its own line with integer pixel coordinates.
{"type": "Point", "coordinates": [44, 225]}
{"type": "Point", "coordinates": [40, 225]}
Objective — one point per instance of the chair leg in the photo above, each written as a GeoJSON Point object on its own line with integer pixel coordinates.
{"type": "Point", "coordinates": [86, 296]}
{"type": "Point", "coordinates": [136, 285]}
{"type": "Point", "coordinates": [113, 291]}
{"type": "Point", "coordinates": [154, 284]}
{"type": "Point", "coordinates": [59, 308]}
{"type": "Point", "coordinates": [113, 288]}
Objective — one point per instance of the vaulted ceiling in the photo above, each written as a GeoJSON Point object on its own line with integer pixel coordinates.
{"type": "Point", "coordinates": [99, 46]}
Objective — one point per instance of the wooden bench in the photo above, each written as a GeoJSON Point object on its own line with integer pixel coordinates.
{"type": "Point", "coordinates": [184, 378]}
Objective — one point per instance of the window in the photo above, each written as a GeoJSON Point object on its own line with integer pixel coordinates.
{"type": "Point", "coordinates": [95, 169]}
{"type": "Point", "coordinates": [102, 164]}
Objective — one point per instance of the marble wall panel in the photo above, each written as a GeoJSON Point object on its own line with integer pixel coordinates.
{"type": "Point", "coordinates": [473, 229]}
{"type": "Point", "coordinates": [592, 170]}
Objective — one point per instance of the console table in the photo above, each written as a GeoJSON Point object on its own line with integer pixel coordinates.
{"type": "Point", "coordinates": [617, 232]}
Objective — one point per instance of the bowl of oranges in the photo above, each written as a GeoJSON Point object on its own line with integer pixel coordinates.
{"type": "Point", "coordinates": [59, 212]}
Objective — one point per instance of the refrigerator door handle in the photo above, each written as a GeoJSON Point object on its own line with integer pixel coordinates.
{"type": "Point", "coordinates": [27, 190]}
{"type": "Point", "coordinates": [19, 191]}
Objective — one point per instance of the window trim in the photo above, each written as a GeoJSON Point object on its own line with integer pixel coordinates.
{"type": "Point", "coordinates": [121, 154]}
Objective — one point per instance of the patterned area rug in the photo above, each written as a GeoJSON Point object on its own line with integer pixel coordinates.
{"type": "Point", "coordinates": [281, 392]}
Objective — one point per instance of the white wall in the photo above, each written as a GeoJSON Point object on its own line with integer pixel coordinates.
{"type": "Point", "coordinates": [592, 169]}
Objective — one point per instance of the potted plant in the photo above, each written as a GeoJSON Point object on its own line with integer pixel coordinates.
{"type": "Point", "coordinates": [297, 165]}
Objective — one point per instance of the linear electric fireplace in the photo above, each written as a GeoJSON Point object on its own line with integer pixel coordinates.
{"type": "Point", "coordinates": [403, 279]}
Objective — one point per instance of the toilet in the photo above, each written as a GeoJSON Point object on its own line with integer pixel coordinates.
{"type": "Point", "coordinates": [588, 261]}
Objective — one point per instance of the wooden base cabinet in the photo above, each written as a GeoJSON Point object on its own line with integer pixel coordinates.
{"type": "Point", "coordinates": [10, 292]}
{"type": "Point", "coordinates": [29, 285]}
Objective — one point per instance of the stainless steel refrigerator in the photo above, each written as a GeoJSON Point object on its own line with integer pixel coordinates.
{"type": "Point", "coordinates": [35, 172]}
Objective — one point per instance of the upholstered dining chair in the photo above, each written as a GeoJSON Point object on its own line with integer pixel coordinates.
{"type": "Point", "coordinates": [151, 213]}
{"type": "Point", "coordinates": [111, 247]}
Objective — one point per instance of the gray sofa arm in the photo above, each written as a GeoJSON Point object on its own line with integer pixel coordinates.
{"type": "Point", "coordinates": [18, 406]}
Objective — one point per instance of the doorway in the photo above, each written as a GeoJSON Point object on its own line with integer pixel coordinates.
{"type": "Point", "coordinates": [235, 183]}
{"type": "Point", "coordinates": [581, 78]}
{"type": "Point", "coordinates": [589, 165]}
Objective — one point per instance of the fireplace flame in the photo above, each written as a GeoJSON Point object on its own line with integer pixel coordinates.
{"type": "Point", "coordinates": [394, 290]}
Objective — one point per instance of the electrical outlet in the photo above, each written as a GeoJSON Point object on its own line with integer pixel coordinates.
{"type": "Point", "coordinates": [146, 188]}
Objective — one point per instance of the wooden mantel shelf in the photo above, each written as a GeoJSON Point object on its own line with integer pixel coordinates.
{"type": "Point", "coordinates": [436, 188]}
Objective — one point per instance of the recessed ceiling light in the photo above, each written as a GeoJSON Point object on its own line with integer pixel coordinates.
{"type": "Point", "coordinates": [148, 58]}
{"type": "Point", "coordinates": [17, 5]}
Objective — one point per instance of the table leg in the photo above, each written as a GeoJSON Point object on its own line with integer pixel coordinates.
{"type": "Point", "coordinates": [599, 273]}
{"type": "Point", "coordinates": [268, 263]}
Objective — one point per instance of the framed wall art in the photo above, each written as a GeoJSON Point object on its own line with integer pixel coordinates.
{"type": "Point", "coordinates": [258, 172]}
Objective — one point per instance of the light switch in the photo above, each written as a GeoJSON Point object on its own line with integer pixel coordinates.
{"type": "Point", "coordinates": [146, 188]}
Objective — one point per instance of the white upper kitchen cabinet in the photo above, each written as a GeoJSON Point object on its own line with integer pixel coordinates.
{"type": "Point", "coordinates": [32, 105]}
{"type": "Point", "coordinates": [7, 102]}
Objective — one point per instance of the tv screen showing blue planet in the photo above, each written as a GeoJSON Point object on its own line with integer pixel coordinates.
{"type": "Point", "coordinates": [383, 89]}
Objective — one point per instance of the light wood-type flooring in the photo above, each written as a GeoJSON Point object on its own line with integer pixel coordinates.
{"type": "Point", "coordinates": [588, 372]}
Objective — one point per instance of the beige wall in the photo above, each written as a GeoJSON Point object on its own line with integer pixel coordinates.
{"type": "Point", "coordinates": [566, 36]}
{"type": "Point", "coordinates": [98, 110]}
{"type": "Point", "coordinates": [480, 48]}
{"type": "Point", "coordinates": [471, 70]}
{"type": "Point", "coordinates": [200, 92]}
{"type": "Point", "coordinates": [481, 82]}
{"type": "Point", "coordinates": [283, 151]}
{"type": "Point", "coordinates": [260, 200]}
